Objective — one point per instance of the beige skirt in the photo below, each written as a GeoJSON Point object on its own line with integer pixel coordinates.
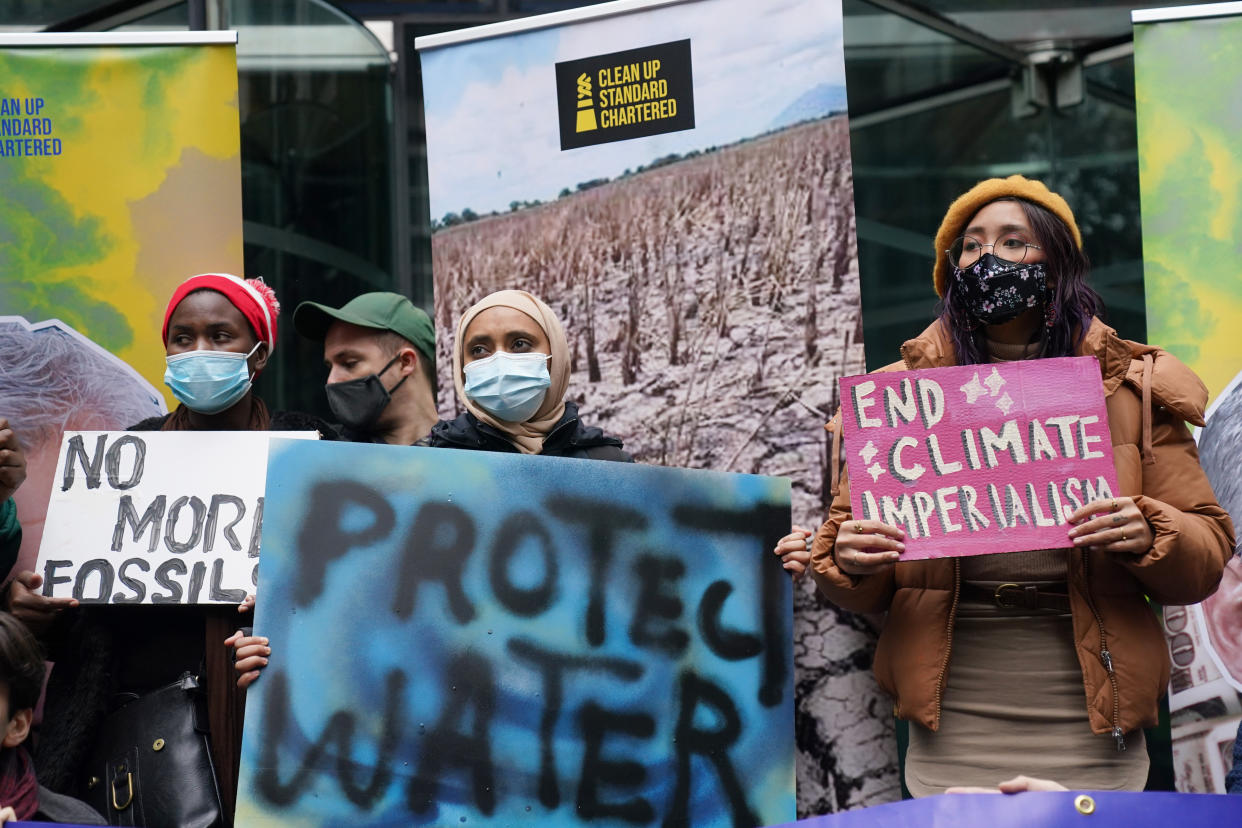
{"type": "Point", "coordinates": [1014, 703]}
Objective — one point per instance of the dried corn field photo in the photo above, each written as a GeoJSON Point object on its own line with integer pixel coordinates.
{"type": "Point", "coordinates": [710, 303]}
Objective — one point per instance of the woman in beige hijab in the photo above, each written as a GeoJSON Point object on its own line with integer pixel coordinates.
{"type": "Point", "coordinates": [511, 371]}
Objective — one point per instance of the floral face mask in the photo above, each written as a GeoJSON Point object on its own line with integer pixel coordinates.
{"type": "Point", "coordinates": [997, 291]}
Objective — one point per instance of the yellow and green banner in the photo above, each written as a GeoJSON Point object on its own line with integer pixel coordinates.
{"type": "Point", "coordinates": [1188, 82]}
{"type": "Point", "coordinates": [120, 175]}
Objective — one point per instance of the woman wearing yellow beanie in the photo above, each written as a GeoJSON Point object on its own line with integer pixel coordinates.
{"type": "Point", "coordinates": [1048, 662]}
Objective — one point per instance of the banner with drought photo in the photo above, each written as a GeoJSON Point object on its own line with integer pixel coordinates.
{"type": "Point", "coordinates": [120, 169]}
{"type": "Point", "coordinates": [1190, 177]}
{"type": "Point", "coordinates": [673, 179]}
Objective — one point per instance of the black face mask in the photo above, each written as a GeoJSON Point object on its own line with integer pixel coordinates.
{"type": "Point", "coordinates": [995, 291]}
{"type": "Point", "coordinates": [359, 403]}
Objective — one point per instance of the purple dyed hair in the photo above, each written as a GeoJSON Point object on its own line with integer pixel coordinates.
{"type": "Point", "coordinates": [1068, 292]}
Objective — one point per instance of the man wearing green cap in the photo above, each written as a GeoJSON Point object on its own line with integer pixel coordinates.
{"type": "Point", "coordinates": [380, 353]}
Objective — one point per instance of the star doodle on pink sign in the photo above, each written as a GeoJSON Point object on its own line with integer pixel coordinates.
{"type": "Point", "coordinates": [978, 459]}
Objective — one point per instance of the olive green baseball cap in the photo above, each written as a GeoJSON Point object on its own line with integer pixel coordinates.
{"type": "Point", "coordinates": [382, 310]}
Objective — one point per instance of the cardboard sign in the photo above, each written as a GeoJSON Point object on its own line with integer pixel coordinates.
{"type": "Point", "coordinates": [156, 517]}
{"type": "Point", "coordinates": [977, 459]}
{"type": "Point", "coordinates": [473, 638]}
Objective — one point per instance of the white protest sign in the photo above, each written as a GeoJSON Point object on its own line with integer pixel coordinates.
{"type": "Point", "coordinates": [160, 517]}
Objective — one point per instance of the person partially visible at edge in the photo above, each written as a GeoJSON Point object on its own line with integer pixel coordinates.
{"type": "Point", "coordinates": [1220, 444]}
{"type": "Point", "coordinates": [52, 380]}
{"type": "Point", "coordinates": [380, 352]}
{"type": "Point", "coordinates": [21, 678]}
{"type": "Point", "coordinates": [511, 372]}
{"type": "Point", "coordinates": [219, 333]}
{"type": "Point", "coordinates": [12, 474]}
{"type": "Point", "coordinates": [1233, 781]}
{"type": "Point", "coordinates": [1047, 662]}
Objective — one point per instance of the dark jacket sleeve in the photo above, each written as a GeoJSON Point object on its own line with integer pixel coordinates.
{"type": "Point", "coordinates": [150, 423]}
{"type": "Point", "coordinates": [605, 452]}
{"type": "Point", "coordinates": [54, 807]}
{"type": "Point", "coordinates": [300, 421]}
{"type": "Point", "coordinates": [10, 537]}
{"type": "Point", "coordinates": [1233, 782]}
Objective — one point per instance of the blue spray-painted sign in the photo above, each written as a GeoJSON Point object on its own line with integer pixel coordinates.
{"type": "Point", "coordinates": [472, 638]}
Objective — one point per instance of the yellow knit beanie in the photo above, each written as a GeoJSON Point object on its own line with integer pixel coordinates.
{"type": "Point", "coordinates": [985, 192]}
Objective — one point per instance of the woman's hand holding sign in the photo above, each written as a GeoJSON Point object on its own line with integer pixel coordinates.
{"type": "Point", "coordinates": [1113, 524]}
{"type": "Point", "coordinates": [12, 461]}
{"type": "Point", "coordinates": [26, 601]}
{"type": "Point", "coordinates": [865, 547]}
{"type": "Point", "coordinates": [250, 653]}
{"type": "Point", "coordinates": [795, 551]}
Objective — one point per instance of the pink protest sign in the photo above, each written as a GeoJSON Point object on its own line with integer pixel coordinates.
{"type": "Point", "coordinates": [978, 459]}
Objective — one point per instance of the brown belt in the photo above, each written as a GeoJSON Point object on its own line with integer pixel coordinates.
{"type": "Point", "coordinates": [1019, 596]}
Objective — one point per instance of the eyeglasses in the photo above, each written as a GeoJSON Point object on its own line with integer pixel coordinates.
{"type": "Point", "coordinates": [1011, 248]}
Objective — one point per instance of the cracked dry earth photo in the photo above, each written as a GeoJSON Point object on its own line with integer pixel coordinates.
{"type": "Point", "coordinates": [710, 305]}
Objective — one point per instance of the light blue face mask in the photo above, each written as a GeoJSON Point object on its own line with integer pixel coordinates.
{"type": "Point", "coordinates": [208, 382]}
{"type": "Point", "coordinates": [510, 387]}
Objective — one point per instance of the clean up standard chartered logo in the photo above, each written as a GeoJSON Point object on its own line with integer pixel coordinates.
{"type": "Point", "coordinates": [586, 105]}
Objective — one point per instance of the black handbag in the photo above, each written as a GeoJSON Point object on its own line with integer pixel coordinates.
{"type": "Point", "coordinates": [151, 764]}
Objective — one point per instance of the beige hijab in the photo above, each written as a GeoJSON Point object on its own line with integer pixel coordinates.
{"type": "Point", "coordinates": [527, 436]}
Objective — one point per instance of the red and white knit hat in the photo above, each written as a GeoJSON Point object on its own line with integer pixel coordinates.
{"type": "Point", "coordinates": [256, 301]}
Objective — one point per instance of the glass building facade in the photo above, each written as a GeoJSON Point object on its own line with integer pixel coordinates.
{"type": "Point", "coordinates": [941, 100]}
{"type": "Point", "coordinates": [942, 93]}
{"type": "Point", "coordinates": [318, 95]}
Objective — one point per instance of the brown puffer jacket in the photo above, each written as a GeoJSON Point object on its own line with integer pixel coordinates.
{"type": "Point", "coordinates": [1125, 663]}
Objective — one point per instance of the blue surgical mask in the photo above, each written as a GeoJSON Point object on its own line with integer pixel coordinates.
{"type": "Point", "coordinates": [208, 382]}
{"type": "Point", "coordinates": [510, 387]}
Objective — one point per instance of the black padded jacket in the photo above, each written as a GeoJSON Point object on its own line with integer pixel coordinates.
{"type": "Point", "coordinates": [568, 438]}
